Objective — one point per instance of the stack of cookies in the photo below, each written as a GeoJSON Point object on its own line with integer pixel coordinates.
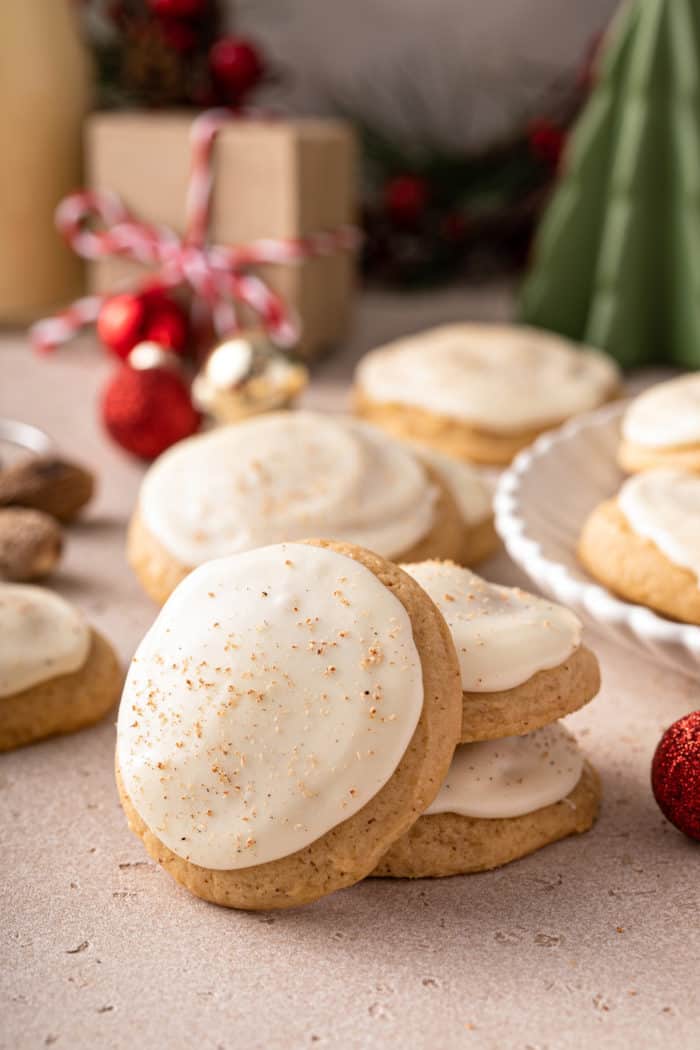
{"type": "Point", "coordinates": [645, 543]}
{"type": "Point", "coordinates": [306, 714]}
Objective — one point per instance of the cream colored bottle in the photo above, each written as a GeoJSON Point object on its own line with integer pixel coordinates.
{"type": "Point", "coordinates": [44, 96]}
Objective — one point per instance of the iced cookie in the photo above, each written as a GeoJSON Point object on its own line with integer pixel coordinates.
{"type": "Point", "coordinates": [289, 715]}
{"type": "Point", "coordinates": [474, 501]}
{"type": "Point", "coordinates": [645, 544]}
{"type": "Point", "coordinates": [285, 476]}
{"type": "Point", "coordinates": [480, 392]}
{"type": "Point", "coordinates": [56, 674]}
{"type": "Point", "coordinates": [661, 427]}
{"type": "Point", "coordinates": [502, 799]}
{"type": "Point", "coordinates": [521, 658]}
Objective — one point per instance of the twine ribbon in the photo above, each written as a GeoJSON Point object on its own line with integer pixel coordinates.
{"type": "Point", "coordinates": [99, 226]}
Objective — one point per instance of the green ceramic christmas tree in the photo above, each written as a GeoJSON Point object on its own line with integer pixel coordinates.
{"type": "Point", "coordinates": [617, 256]}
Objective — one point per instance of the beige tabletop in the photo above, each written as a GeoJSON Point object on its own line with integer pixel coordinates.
{"type": "Point", "coordinates": [591, 942]}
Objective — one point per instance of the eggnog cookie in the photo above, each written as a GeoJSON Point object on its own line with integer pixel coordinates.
{"type": "Point", "coordinates": [289, 715]}
{"type": "Point", "coordinates": [661, 427]}
{"type": "Point", "coordinates": [502, 800]}
{"type": "Point", "coordinates": [521, 658]}
{"type": "Point", "coordinates": [480, 392]}
{"type": "Point", "coordinates": [474, 502]}
{"type": "Point", "coordinates": [56, 674]}
{"type": "Point", "coordinates": [284, 476]}
{"type": "Point", "coordinates": [645, 544]}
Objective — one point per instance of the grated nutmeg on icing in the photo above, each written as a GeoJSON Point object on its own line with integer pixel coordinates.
{"type": "Point", "coordinates": [664, 506]}
{"type": "Point", "coordinates": [42, 636]}
{"type": "Point", "coordinates": [494, 779]}
{"type": "Point", "coordinates": [501, 376]}
{"type": "Point", "coordinates": [287, 476]}
{"type": "Point", "coordinates": [503, 635]}
{"type": "Point", "coordinates": [274, 696]}
{"type": "Point", "coordinates": [665, 416]}
{"type": "Point", "coordinates": [469, 490]}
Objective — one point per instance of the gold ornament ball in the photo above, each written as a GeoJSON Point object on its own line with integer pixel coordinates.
{"type": "Point", "coordinates": [246, 375]}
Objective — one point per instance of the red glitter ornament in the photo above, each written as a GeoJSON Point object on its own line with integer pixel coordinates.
{"type": "Point", "coordinates": [236, 66]}
{"type": "Point", "coordinates": [406, 198]}
{"type": "Point", "coordinates": [675, 774]}
{"type": "Point", "coordinates": [166, 324]}
{"type": "Point", "coordinates": [128, 319]}
{"type": "Point", "coordinates": [148, 410]}
{"type": "Point", "coordinates": [120, 322]}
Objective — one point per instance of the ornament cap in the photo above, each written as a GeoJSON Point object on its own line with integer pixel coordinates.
{"type": "Point", "coordinates": [245, 375]}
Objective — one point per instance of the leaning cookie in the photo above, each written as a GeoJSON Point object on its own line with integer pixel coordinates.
{"type": "Point", "coordinates": [521, 658]}
{"type": "Point", "coordinates": [661, 427]}
{"type": "Point", "coordinates": [474, 502]}
{"type": "Point", "coordinates": [56, 674]}
{"type": "Point", "coordinates": [290, 714]}
{"type": "Point", "coordinates": [287, 475]}
{"type": "Point", "coordinates": [480, 392]}
{"type": "Point", "coordinates": [645, 544]}
{"type": "Point", "coordinates": [502, 800]}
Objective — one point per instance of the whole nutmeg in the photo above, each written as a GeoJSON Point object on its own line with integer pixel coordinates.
{"type": "Point", "coordinates": [30, 544]}
{"type": "Point", "coordinates": [56, 486]}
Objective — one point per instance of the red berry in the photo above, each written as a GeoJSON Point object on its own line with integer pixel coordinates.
{"type": "Point", "coordinates": [236, 66]}
{"type": "Point", "coordinates": [120, 323]}
{"type": "Point", "coordinates": [406, 198]}
{"type": "Point", "coordinates": [147, 411]}
{"type": "Point", "coordinates": [178, 35]}
{"type": "Point", "coordinates": [166, 324]}
{"type": "Point", "coordinates": [546, 141]}
{"type": "Point", "coordinates": [178, 8]}
{"type": "Point", "coordinates": [675, 774]}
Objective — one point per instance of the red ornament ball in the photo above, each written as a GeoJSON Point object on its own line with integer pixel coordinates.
{"type": "Point", "coordinates": [148, 410]}
{"type": "Point", "coordinates": [406, 198]}
{"type": "Point", "coordinates": [178, 8]}
{"type": "Point", "coordinates": [120, 322]}
{"type": "Point", "coordinates": [166, 324]}
{"type": "Point", "coordinates": [675, 774]}
{"type": "Point", "coordinates": [128, 319]}
{"type": "Point", "coordinates": [236, 66]}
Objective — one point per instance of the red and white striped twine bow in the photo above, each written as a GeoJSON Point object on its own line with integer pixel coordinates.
{"type": "Point", "coordinates": [217, 275]}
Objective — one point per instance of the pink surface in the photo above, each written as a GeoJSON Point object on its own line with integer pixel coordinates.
{"type": "Point", "coordinates": [591, 941]}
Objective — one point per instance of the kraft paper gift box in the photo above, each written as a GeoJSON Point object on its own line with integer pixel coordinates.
{"type": "Point", "coordinates": [272, 179]}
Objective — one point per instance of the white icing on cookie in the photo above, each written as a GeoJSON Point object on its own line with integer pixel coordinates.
{"type": "Point", "coordinates": [274, 696]}
{"type": "Point", "coordinates": [501, 377]}
{"type": "Point", "coordinates": [287, 476]}
{"type": "Point", "coordinates": [41, 637]}
{"type": "Point", "coordinates": [502, 635]}
{"type": "Point", "coordinates": [512, 776]}
{"type": "Point", "coordinates": [467, 487]}
{"type": "Point", "coordinates": [664, 506]}
{"type": "Point", "coordinates": [665, 416]}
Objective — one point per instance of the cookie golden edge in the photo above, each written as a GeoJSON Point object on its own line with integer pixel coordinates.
{"type": "Point", "coordinates": [159, 572]}
{"type": "Point", "coordinates": [634, 568]}
{"type": "Point", "coordinates": [452, 437]}
{"type": "Point", "coordinates": [63, 704]}
{"type": "Point", "coordinates": [348, 852]}
{"type": "Point", "coordinates": [545, 697]}
{"type": "Point", "coordinates": [449, 436]}
{"type": "Point", "coordinates": [444, 844]}
{"type": "Point", "coordinates": [633, 458]}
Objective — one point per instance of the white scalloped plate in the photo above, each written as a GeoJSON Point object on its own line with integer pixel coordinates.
{"type": "Point", "coordinates": [541, 503]}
